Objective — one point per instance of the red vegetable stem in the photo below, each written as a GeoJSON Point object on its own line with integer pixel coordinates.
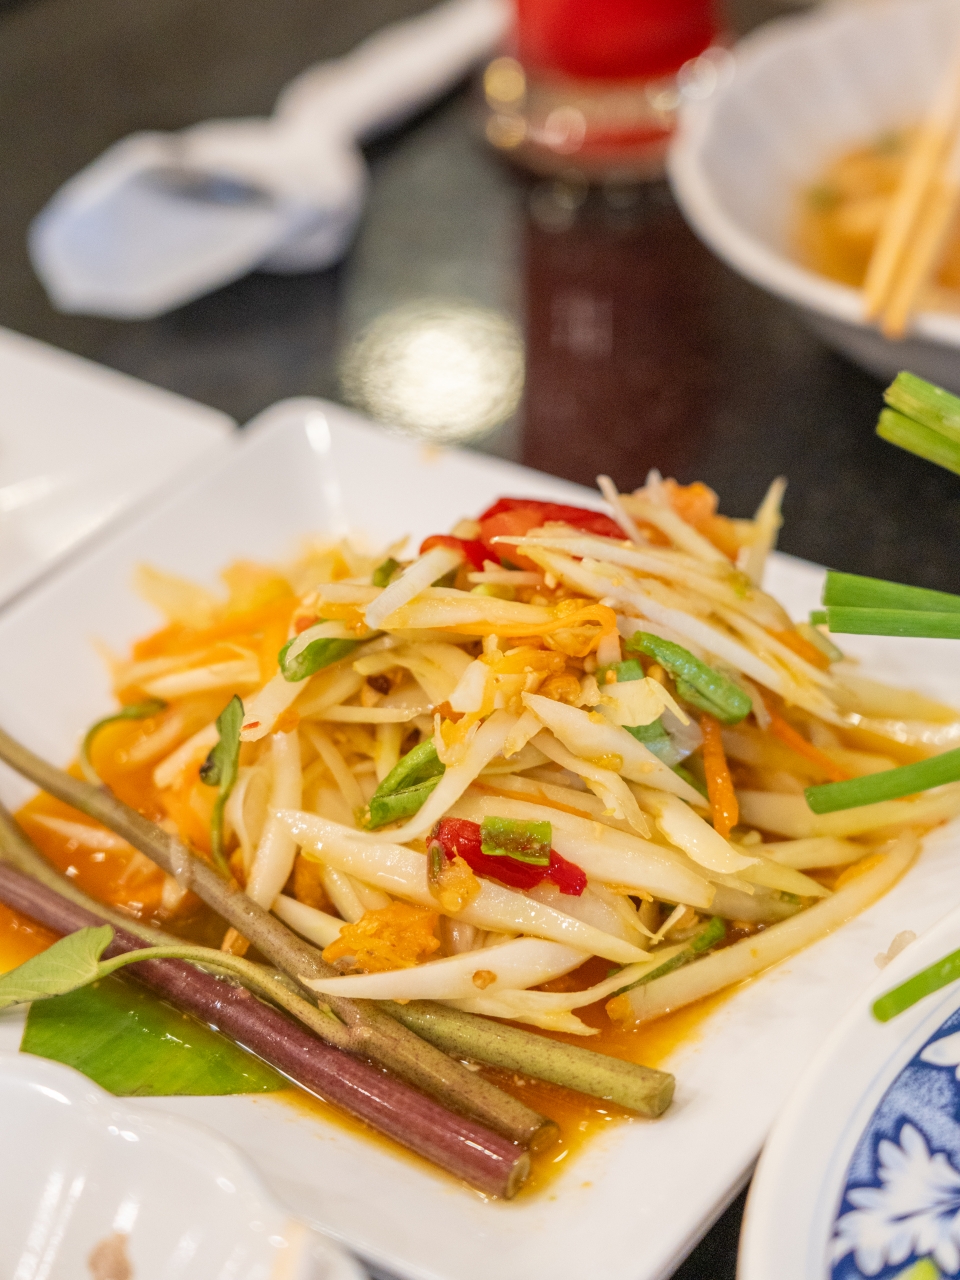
{"type": "Point", "coordinates": [360, 1027]}
{"type": "Point", "coordinates": [461, 1147]}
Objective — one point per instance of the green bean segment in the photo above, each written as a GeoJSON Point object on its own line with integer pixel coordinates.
{"type": "Point", "coordinates": [701, 686]}
{"type": "Point", "coordinates": [399, 804]}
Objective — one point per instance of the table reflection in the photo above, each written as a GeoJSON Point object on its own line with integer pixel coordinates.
{"type": "Point", "coordinates": [621, 334]}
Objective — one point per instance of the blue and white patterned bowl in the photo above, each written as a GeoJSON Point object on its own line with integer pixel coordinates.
{"type": "Point", "coordinates": [861, 1175]}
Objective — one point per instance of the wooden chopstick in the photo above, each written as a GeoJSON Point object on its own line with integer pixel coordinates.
{"type": "Point", "coordinates": [925, 249]}
{"type": "Point", "coordinates": [909, 207]}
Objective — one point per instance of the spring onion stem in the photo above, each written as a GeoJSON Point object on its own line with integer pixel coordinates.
{"type": "Point", "coordinates": [854, 591]}
{"type": "Point", "coordinates": [925, 403]}
{"type": "Point", "coordinates": [891, 784]}
{"type": "Point", "coordinates": [931, 979]}
{"type": "Point", "coordinates": [916, 438]}
{"type": "Point", "coordinates": [843, 620]}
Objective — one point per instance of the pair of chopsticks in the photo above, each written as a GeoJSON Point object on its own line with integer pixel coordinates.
{"type": "Point", "coordinates": [921, 216]}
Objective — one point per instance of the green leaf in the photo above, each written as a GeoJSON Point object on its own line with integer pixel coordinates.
{"type": "Point", "coordinates": [890, 784]}
{"type": "Point", "coordinates": [132, 1043]}
{"type": "Point", "coordinates": [515, 838]}
{"type": "Point", "coordinates": [384, 572]}
{"type": "Point", "coordinates": [418, 765]}
{"type": "Point", "coordinates": [135, 711]}
{"type": "Point", "coordinates": [71, 962]}
{"type": "Point", "coordinates": [316, 655]}
{"type": "Point", "coordinates": [403, 791]}
{"type": "Point", "coordinates": [220, 769]}
{"type": "Point", "coordinates": [701, 686]}
{"type": "Point", "coordinates": [398, 805]}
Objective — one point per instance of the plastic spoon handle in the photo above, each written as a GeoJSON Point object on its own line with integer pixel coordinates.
{"type": "Point", "coordinates": [394, 72]}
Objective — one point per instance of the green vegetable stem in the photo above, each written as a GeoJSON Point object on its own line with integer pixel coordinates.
{"type": "Point", "coordinates": [931, 979]}
{"type": "Point", "coordinates": [923, 419]}
{"type": "Point", "coordinates": [869, 606]}
{"type": "Point", "coordinates": [891, 784]}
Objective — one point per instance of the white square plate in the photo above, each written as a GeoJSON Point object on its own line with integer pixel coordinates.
{"type": "Point", "coordinates": [636, 1199]}
{"type": "Point", "coordinates": [80, 444]}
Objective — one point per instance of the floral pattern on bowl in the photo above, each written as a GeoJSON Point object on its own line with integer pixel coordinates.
{"type": "Point", "coordinates": [901, 1200]}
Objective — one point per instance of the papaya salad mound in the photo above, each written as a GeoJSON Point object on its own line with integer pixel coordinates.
{"type": "Point", "coordinates": [551, 770]}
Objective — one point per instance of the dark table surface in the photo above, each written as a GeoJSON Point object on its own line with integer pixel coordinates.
{"type": "Point", "coordinates": [642, 349]}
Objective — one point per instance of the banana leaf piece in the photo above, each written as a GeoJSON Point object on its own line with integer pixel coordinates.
{"type": "Point", "coordinates": [133, 1044]}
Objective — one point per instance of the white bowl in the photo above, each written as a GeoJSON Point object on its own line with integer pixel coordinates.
{"type": "Point", "coordinates": [802, 91]}
{"type": "Point", "coordinates": [85, 1174]}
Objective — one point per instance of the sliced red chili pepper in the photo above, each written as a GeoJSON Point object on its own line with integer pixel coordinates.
{"type": "Point", "coordinates": [567, 876]}
{"type": "Point", "coordinates": [460, 837]}
{"type": "Point", "coordinates": [580, 517]}
{"type": "Point", "coordinates": [474, 551]}
{"type": "Point", "coordinates": [515, 517]}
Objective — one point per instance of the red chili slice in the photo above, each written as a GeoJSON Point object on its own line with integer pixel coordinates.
{"type": "Point", "coordinates": [475, 552]}
{"type": "Point", "coordinates": [515, 517]}
{"type": "Point", "coordinates": [567, 876]}
{"type": "Point", "coordinates": [580, 517]}
{"type": "Point", "coordinates": [459, 836]}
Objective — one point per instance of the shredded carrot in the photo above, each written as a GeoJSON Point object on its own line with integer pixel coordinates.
{"type": "Point", "coordinates": [802, 648]}
{"type": "Point", "coordinates": [789, 736]}
{"type": "Point", "coordinates": [724, 810]}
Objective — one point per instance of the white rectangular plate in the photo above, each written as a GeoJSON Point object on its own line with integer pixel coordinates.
{"type": "Point", "coordinates": [80, 444]}
{"type": "Point", "coordinates": [635, 1200]}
